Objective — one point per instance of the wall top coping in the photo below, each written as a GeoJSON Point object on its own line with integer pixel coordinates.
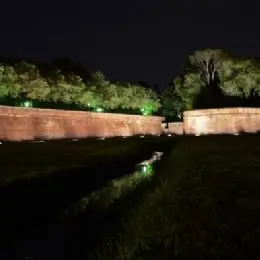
{"type": "Point", "coordinates": [175, 123]}
{"type": "Point", "coordinates": [21, 111]}
{"type": "Point", "coordinates": [221, 111]}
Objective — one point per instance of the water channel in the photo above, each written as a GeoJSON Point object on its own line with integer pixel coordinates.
{"type": "Point", "coordinates": [117, 188]}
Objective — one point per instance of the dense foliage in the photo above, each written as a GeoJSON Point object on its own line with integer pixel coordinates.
{"type": "Point", "coordinates": [23, 84]}
{"type": "Point", "coordinates": [212, 79]}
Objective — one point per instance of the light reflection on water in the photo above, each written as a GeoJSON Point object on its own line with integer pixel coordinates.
{"type": "Point", "coordinates": [116, 188]}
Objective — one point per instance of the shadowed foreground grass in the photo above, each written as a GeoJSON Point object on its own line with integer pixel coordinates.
{"type": "Point", "coordinates": [24, 160]}
{"type": "Point", "coordinates": [206, 205]}
{"type": "Point", "coordinates": [32, 209]}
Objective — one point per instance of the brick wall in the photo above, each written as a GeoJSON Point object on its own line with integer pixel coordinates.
{"type": "Point", "coordinates": [31, 123]}
{"type": "Point", "coordinates": [222, 121]}
{"type": "Point", "coordinates": [175, 128]}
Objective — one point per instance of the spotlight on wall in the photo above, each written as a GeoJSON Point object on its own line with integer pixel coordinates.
{"type": "Point", "coordinates": [142, 136]}
{"type": "Point", "coordinates": [169, 135]}
{"type": "Point", "coordinates": [101, 138]}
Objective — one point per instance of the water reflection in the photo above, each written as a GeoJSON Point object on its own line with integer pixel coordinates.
{"type": "Point", "coordinates": [117, 188]}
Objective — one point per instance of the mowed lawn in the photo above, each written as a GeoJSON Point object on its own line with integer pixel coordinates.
{"type": "Point", "coordinates": [21, 160]}
{"type": "Point", "coordinates": [206, 205]}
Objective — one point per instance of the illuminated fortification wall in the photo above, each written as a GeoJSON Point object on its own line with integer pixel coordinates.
{"type": "Point", "coordinates": [221, 121]}
{"type": "Point", "coordinates": [175, 128]}
{"type": "Point", "coordinates": [31, 123]}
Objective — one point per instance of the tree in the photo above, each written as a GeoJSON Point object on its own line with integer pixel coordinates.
{"type": "Point", "coordinates": [207, 61]}
{"type": "Point", "coordinates": [188, 89]}
{"type": "Point", "coordinates": [239, 77]}
{"type": "Point", "coordinates": [99, 79]}
{"type": "Point", "coordinates": [3, 88]}
{"type": "Point", "coordinates": [135, 95]}
{"type": "Point", "coordinates": [110, 97]}
{"type": "Point", "coordinates": [9, 85]}
{"type": "Point", "coordinates": [23, 80]}
{"type": "Point", "coordinates": [172, 105]}
{"type": "Point", "coordinates": [38, 89]}
{"type": "Point", "coordinates": [89, 98]}
{"type": "Point", "coordinates": [63, 90]}
{"type": "Point", "coordinates": [126, 96]}
{"type": "Point", "coordinates": [151, 102]}
{"type": "Point", "coordinates": [33, 86]}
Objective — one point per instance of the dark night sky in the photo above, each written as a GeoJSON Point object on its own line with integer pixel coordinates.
{"type": "Point", "coordinates": [137, 40]}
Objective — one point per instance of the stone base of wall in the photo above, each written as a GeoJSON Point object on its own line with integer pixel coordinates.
{"type": "Point", "coordinates": [18, 124]}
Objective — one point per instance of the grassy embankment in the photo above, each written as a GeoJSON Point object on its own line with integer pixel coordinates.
{"type": "Point", "coordinates": [206, 205]}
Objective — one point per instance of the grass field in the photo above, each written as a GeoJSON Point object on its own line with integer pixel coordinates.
{"type": "Point", "coordinates": [23, 160]}
{"type": "Point", "coordinates": [206, 205]}
{"type": "Point", "coordinates": [40, 181]}
{"type": "Point", "coordinates": [202, 203]}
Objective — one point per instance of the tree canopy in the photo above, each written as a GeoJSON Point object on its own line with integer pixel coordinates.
{"type": "Point", "coordinates": [213, 78]}
{"type": "Point", "coordinates": [25, 83]}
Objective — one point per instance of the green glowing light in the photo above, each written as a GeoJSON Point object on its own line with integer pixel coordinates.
{"type": "Point", "coordinates": [146, 111]}
{"type": "Point", "coordinates": [99, 109]}
{"type": "Point", "coordinates": [26, 104]}
{"type": "Point", "coordinates": [147, 168]}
